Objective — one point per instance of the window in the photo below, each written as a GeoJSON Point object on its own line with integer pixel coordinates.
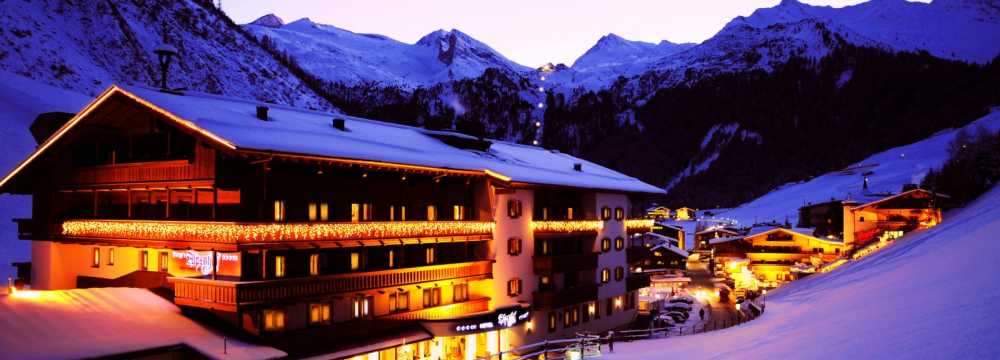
{"type": "Point", "coordinates": [397, 213]}
{"type": "Point", "coordinates": [514, 287]}
{"type": "Point", "coordinates": [429, 255]}
{"type": "Point", "coordinates": [619, 214]}
{"type": "Point", "coordinates": [605, 244]}
{"type": "Point", "coordinates": [545, 213]}
{"type": "Point", "coordinates": [861, 219]}
{"type": "Point", "coordinates": [361, 307]}
{"type": "Point", "coordinates": [279, 266]}
{"type": "Point", "coordinates": [552, 321]}
{"type": "Point", "coordinates": [459, 211]}
{"type": "Point", "coordinates": [544, 281]}
{"type": "Point", "coordinates": [589, 312]}
{"type": "Point", "coordinates": [567, 319]}
{"type": "Point", "coordinates": [111, 256]}
{"type": "Point", "coordinates": [544, 248]}
{"type": "Point", "coordinates": [96, 260]}
{"type": "Point", "coordinates": [392, 259]}
{"type": "Point", "coordinates": [569, 213]}
{"type": "Point", "coordinates": [274, 320]}
{"type": "Point", "coordinates": [279, 210]}
{"type": "Point", "coordinates": [619, 243]}
{"type": "Point", "coordinates": [609, 307]}
{"type": "Point", "coordinates": [361, 212]}
{"type": "Point", "coordinates": [432, 297]}
{"type": "Point", "coordinates": [144, 260]}
{"type": "Point", "coordinates": [576, 315]}
{"type": "Point", "coordinates": [514, 246]}
{"type": "Point", "coordinates": [514, 209]}
{"type": "Point", "coordinates": [313, 264]}
{"type": "Point", "coordinates": [319, 314]}
{"type": "Point", "coordinates": [605, 275]}
{"type": "Point", "coordinates": [399, 301]}
{"type": "Point", "coordinates": [605, 213]}
{"type": "Point", "coordinates": [319, 211]}
{"type": "Point", "coordinates": [355, 261]}
{"type": "Point", "coordinates": [431, 213]}
{"type": "Point", "coordinates": [619, 273]}
{"type": "Point", "coordinates": [460, 293]}
{"type": "Point", "coordinates": [164, 260]}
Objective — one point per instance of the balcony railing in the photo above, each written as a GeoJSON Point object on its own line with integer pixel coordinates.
{"type": "Point", "coordinates": [565, 263]}
{"type": "Point", "coordinates": [444, 311]}
{"type": "Point", "coordinates": [588, 226]}
{"type": "Point", "coordinates": [242, 233]}
{"type": "Point", "coordinates": [560, 298]}
{"type": "Point", "coordinates": [229, 295]}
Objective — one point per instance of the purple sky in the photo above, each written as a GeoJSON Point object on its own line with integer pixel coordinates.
{"type": "Point", "coordinates": [530, 32]}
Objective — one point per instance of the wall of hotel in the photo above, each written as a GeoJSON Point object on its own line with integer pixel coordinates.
{"type": "Point", "coordinates": [602, 323]}
{"type": "Point", "coordinates": [508, 267]}
{"type": "Point", "coordinates": [614, 258]}
{"type": "Point", "coordinates": [56, 265]}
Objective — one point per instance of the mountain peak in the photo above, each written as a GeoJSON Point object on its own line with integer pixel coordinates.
{"type": "Point", "coordinates": [269, 20]}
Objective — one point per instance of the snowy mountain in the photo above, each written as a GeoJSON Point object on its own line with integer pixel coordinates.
{"type": "Point", "coordinates": [879, 307]}
{"type": "Point", "coordinates": [339, 55]}
{"type": "Point", "coordinates": [613, 56]}
{"type": "Point", "coordinates": [84, 46]}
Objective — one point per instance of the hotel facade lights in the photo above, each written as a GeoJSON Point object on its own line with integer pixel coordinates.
{"type": "Point", "coordinates": [324, 240]}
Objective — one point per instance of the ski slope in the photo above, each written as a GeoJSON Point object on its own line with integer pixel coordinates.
{"type": "Point", "coordinates": [891, 170]}
{"type": "Point", "coordinates": [929, 295]}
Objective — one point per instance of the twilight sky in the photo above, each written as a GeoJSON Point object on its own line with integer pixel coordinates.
{"type": "Point", "coordinates": [530, 32]}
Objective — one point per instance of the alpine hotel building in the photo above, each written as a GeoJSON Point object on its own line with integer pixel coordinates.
{"type": "Point", "coordinates": [325, 235]}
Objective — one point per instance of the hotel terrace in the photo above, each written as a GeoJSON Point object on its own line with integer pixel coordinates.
{"type": "Point", "coordinates": [326, 235]}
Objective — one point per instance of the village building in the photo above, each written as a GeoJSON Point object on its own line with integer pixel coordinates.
{"type": "Point", "coordinates": [901, 213]}
{"type": "Point", "coordinates": [685, 213]}
{"type": "Point", "coordinates": [775, 250]}
{"type": "Point", "coordinates": [326, 235]}
{"type": "Point", "coordinates": [716, 232]}
{"type": "Point", "coordinates": [658, 212]}
{"type": "Point", "coordinates": [675, 233]}
{"type": "Point", "coordinates": [654, 252]}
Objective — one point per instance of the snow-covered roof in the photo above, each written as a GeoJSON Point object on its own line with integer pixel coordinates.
{"type": "Point", "coordinates": [674, 249]}
{"type": "Point", "coordinates": [902, 194]}
{"type": "Point", "coordinates": [233, 123]}
{"type": "Point", "coordinates": [724, 239]}
{"type": "Point", "coordinates": [719, 229]}
{"type": "Point", "coordinates": [807, 232]}
{"type": "Point", "coordinates": [86, 323]}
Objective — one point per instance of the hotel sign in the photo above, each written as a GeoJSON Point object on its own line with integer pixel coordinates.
{"type": "Point", "coordinates": [186, 263]}
{"type": "Point", "coordinates": [496, 320]}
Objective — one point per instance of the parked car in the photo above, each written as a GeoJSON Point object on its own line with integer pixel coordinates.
{"type": "Point", "coordinates": [678, 317]}
{"type": "Point", "coordinates": [682, 307]}
{"type": "Point", "coordinates": [682, 299]}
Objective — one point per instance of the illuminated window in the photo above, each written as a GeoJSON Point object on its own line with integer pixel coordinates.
{"type": "Point", "coordinates": [569, 213]}
{"type": "Point", "coordinates": [514, 209]}
{"type": "Point", "coordinates": [605, 275]}
{"type": "Point", "coordinates": [355, 261]}
{"type": "Point", "coordinates": [96, 260]}
{"type": "Point", "coordinates": [514, 287]}
{"type": "Point", "coordinates": [544, 281]}
{"type": "Point", "coordinates": [567, 319]}
{"type": "Point", "coordinates": [111, 256]}
{"type": "Point", "coordinates": [361, 212]}
{"type": "Point", "coordinates": [361, 307]}
{"type": "Point", "coordinates": [576, 315]}
{"type": "Point", "coordinates": [460, 292]}
{"type": "Point", "coordinates": [514, 246]}
{"type": "Point", "coordinates": [619, 273]}
{"type": "Point", "coordinates": [279, 266]}
{"type": "Point", "coordinates": [619, 243]}
{"type": "Point", "coordinates": [164, 260]}
{"type": "Point", "coordinates": [313, 211]}
{"type": "Point", "coordinates": [313, 264]}
{"type": "Point", "coordinates": [319, 314]}
{"type": "Point", "coordinates": [605, 245]}
{"type": "Point", "coordinates": [605, 213]}
{"type": "Point", "coordinates": [392, 259]}
{"type": "Point", "coordinates": [279, 210]}
{"type": "Point", "coordinates": [590, 311]}
{"type": "Point", "coordinates": [274, 320]}
{"type": "Point", "coordinates": [397, 213]}
{"type": "Point", "coordinates": [402, 213]}
{"type": "Point", "coordinates": [429, 255]}
{"type": "Point", "coordinates": [432, 297]}
{"type": "Point", "coordinates": [319, 211]}
{"type": "Point", "coordinates": [619, 214]}
{"type": "Point", "coordinates": [552, 321]}
{"type": "Point", "coordinates": [545, 213]}
{"type": "Point", "coordinates": [355, 212]}
{"type": "Point", "coordinates": [459, 211]}
{"type": "Point", "coordinates": [545, 247]}
{"type": "Point", "coordinates": [144, 260]}
{"type": "Point", "coordinates": [399, 301]}
{"type": "Point", "coordinates": [431, 213]}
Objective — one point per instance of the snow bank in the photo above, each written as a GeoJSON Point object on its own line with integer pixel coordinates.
{"type": "Point", "coordinates": [930, 294]}
{"type": "Point", "coordinates": [105, 321]}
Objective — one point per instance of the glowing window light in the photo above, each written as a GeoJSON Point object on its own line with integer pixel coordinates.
{"type": "Point", "coordinates": [234, 233]}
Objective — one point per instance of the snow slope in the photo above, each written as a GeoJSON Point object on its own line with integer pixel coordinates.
{"type": "Point", "coordinates": [891, 170]}
{"type": "Point", "coordinates": [86, 323]}
{"type": "Point", "coordinates": [21, 100]}
{"type": "Point", "coordinates": [929, 295]}
{"type": "Point", "coordinates": [613, 56]}
{"type": "Point", "coordinates": [339, 55]}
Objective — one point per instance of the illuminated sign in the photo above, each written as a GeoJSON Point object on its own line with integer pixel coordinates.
{"type": "Point", "coordinates": [199, 263]}
{"type": "Point", "coordinates": [497, 320]}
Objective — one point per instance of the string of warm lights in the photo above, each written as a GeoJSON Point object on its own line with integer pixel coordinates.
{"type": "Point", "coordinates": [638, 225]}
{"type": "Point", "coordinates": [225, 232]}
{"type": "Point", "coordinates": [569, 226]}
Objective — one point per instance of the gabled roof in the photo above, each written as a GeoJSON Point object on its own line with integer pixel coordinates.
{"type": "Point", "coordinates": [232, 124]}
{"type": "Point", "coordinates": [720, 229]}
{"type": "Point", "coordinates": [902, 194]}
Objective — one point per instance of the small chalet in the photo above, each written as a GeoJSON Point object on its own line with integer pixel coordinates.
{"type": "Point", "coordinates": [685, 213]}
{"type": "Point", "coordinates": [675, 233]}
{"type": "Point", "coordinates": [774, 251]}
{"type": "Point", "coordinates": [658, 212]}
{"type": "Point", "coordinates": [904, 212]}
{"type": "Point", "coordinates": [702, 237]}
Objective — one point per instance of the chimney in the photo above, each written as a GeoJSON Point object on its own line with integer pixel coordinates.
{"type": "Point", "coordinates": [578, 166]}
{"type": "Point", "coordinates": [262, 112]}
{"type": "Point", "coordinates": [340, 124]}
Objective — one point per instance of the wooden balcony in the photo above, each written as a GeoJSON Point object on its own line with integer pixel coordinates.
{"type": "Point", "coordinates": [588, 226]}
{"type": "Point", "coordinates": [564, 297]}
{"type": "Point", "coordinates": [444, 311]}
{"type": "Point", "coordinates": [228, 236]}
{"type": "Point", "coordinates": [231, 295]}
{"type": "Point", "coordinates": [565, 263]}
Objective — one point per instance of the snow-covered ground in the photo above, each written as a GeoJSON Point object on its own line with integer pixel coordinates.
{"type": "Point", "coordinates": [929, 295]}
{"type": "Point", "coordinates": [79, 323]}
{"type": "Point", "coordinates": [891, 170]}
